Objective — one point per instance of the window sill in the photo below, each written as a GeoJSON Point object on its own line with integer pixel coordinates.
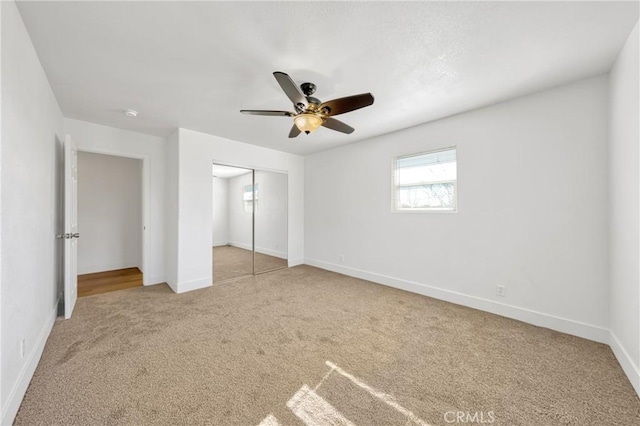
{"type": "Point", "coordinates": [413, 211]}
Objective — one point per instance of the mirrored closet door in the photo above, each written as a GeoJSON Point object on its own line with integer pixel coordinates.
{"type": "Point", "coordinates": [249, 222]}
{"type": "Point", "coordinates": [270, 221]}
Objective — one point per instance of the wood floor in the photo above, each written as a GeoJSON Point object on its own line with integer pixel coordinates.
{"type": "Point", "coordinates": [105, 282]}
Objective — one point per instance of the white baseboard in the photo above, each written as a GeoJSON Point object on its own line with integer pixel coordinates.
{"type": "Point", "coordinates": [540, 319]}
{"type": "Point", "coordinates": [173, 286]}
{"type": "Point", "coordinates": [240, 245]}
{"type": "Point", "coordinates": [220, 243]}
{"type": "Point", "coordinates": [92, 269]}
{"type": "Point", "coordinates": [152, 280]}
{"type": "Point", "coordinates": [263, 250]}
{"type": "Point", "coordinates": [19, 388]}
{"type": "Point", "coordinates": [184, 287]}
{"type": "Point", "coordinates": [628, 365]}
{"type": "Point", "coordinates": [270, 252]}
{"type": "Point", "coordinates": [295, 262]}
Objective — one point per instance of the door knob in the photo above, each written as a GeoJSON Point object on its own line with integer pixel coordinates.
{"type": "Point", "coordinates": [76, 235]}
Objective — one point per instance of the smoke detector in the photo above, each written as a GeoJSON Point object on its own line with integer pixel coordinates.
{"type": "Point", "coordinates": [130, 113]}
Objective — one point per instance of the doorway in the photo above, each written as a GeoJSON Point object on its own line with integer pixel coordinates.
{"type": "Point", "coordinates": [249, 221]}
{"type": "Point", "coordinates": [110, 221]}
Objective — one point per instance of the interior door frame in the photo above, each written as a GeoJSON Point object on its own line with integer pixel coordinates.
{"type": "Point", "coordinates": [70, 233]}
{"type": "Point", "coordinates": [146, 201]}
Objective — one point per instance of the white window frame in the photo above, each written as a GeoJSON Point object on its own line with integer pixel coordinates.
{"type": "Point", "coordinates": [395, 185]}
{"type": "Point", "coordinates": [249, 205]}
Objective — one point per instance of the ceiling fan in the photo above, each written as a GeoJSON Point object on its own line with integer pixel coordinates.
{"type": "Point", "coordinates": [310, 113]}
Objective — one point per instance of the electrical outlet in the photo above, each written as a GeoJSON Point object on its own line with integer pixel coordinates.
{"type": "Point", "coordinates": [341, 257]}
{"type": "Point", "coordinates": [500, 291]}
{"type": "Point", "coordinates": [22, 348]}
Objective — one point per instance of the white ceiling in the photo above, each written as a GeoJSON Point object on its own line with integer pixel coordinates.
{"type": "Point", "coordinates": [196, 64]}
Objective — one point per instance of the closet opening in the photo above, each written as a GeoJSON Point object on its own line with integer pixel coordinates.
{"type": "Point", "coordinates": [249, 221]}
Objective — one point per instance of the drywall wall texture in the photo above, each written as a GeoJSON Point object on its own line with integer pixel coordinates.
{"type": "Point", "coordinates": [193, 224]}
{"type": "Point", "coordinates": [624, 187]}
{"type": "Point", "coordinates": [532, 211]}
{"type": "Point", "coordinates": [220, 196]}
{"type": "Point", "coordinates": [171, 207]}
{"type": "Point", "coordinates": [31, 128]}
{"type": "Point", "coordinates": [109, 212]}
{"type": "Point", "coordinates": [101, 139]}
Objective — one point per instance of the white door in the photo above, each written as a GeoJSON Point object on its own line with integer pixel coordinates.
{"type": "Point", "coordinates": [70, 226]}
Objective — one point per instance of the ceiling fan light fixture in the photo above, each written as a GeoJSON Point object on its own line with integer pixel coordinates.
{"type": "Point", "coordinates": [307, 122]}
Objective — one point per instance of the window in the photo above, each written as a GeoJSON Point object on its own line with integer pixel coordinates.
{"type": "Point", "coordinates": [249, 198]}
{"type": "Point", "coordinates": [425, 181]}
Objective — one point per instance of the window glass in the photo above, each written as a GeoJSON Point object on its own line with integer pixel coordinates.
{"type": "Point", "coordinates": [425, 181]}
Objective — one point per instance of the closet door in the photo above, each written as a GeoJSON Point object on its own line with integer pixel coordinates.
{"type": "Point", "coordinates": [270, 221]}
{"type": "Point", "coordinates": [232, 222]}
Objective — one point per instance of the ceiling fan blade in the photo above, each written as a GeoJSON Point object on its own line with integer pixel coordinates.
{"type": "Point", "coordinates": [266, 112]}
{"type": "Point", "coordinates": [333, 124]}
{"type": "Point", "coordinates": [291, 90]}
{"type": "Point", "coordinates": [350, 103]}
{"type": "Point", "coordinates": [294, 131]}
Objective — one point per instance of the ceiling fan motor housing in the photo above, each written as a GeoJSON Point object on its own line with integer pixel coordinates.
{"type": "Point", "coordinates": [313, 100]}
{"type": "Point", "coordinates": [308, 88]}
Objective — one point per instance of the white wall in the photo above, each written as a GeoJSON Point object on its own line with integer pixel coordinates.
{"type": "Point", "coordinates": [109, 212]}
{"type": "Point", "coordinates": [624, 159]}
{"type": "Point", "coordinates": [220, 207]}
{"type": "Point", "coordinates": [240, 222]}
{"type": "Point", "coordinates": [31, 122]}
{"type": "Point", "coordinates": [194, 224]}
{"type": "Point", "coordinates": [172, 196]}
{"type": "Point", "coordinates": [533, 213]}
{"type": "Point", "coordinates": [101, 139]}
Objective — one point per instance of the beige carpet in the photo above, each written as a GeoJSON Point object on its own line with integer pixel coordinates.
{"type": "Point", "coordinates": [256, 350]}
{"type": "Point", "coordinates": [233, 262]}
